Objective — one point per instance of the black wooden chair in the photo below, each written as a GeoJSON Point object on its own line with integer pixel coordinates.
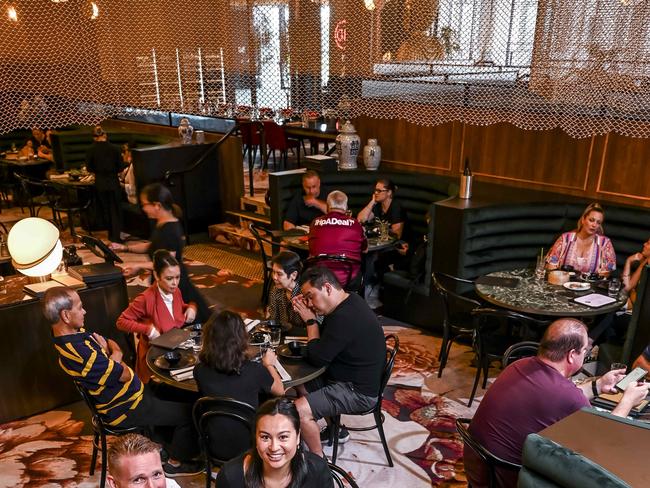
{"type": "Point", "coordinates": [232, 419]}
{"type": "Point", "coordinates": [264, 237]}
{"type": "Point", "coordinates": [494, 332]}
{"type": "Point", "coordinates": [32, 193]}
{"type": "Point", "coordinates": [353, 281]}
{"type": "Point", "coordinates": [457, 317]}
{"type": "Point", "coordinates": [519, 350]}
{"type": "Point", "coordinates": [100, 431]}
{"type": "Point", "coordinates": [341, 477]}
{"type": "Point", "coordinates": [69, 200]}
{"type": "Point", "coordinates": [391, 352]}
{"type": "Point", "coordinates": [491, 461]}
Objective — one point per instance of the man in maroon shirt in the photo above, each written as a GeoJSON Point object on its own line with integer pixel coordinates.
{"type": "Point", "coordinates": [337, 233]}
{"type": "Point", "coordinates": [534, 393]}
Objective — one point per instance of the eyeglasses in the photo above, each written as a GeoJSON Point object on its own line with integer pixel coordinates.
{"type": "Point", "coordinates": [380, 190]}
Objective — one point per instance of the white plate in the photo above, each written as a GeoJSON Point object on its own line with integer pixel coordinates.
{"type": "Point", "coordinates": [576, 286]}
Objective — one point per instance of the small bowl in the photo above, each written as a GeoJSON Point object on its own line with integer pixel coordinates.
{"type": "Point", "coordinates": [172, 357]}
{"type": "Point", "coordinates": [296, 347]}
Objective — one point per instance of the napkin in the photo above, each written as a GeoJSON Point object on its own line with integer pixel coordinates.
{"type": "Point", "coordinates": [284, 375]}
{"type": "Point", "coordinates": [182, 374]}
{"type": "Point", "coordinates": [251, 324]}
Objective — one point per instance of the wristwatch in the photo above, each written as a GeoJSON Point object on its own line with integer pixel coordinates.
{"type": "Point", "coordinates": [311, 322]}
{"type": "Point", "coordinates": [594, 388]}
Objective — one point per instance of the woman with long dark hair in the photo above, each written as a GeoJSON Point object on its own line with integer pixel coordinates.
{"type": "Point", "coordinates": [225, 370]}
{"type": "Point", "coordinates": [157, 310]}
{"type": "Point", "coordinates": [277, 459]}
{"type": "Point", "coordinates": [158, 204]}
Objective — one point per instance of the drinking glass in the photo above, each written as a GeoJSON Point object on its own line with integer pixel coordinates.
{"type": "Point", "coordinates": [540, 270]}
{"type": "Point", "coordinates": [276, 336]}
{"type": "Point", "coordinates": [614, 288]}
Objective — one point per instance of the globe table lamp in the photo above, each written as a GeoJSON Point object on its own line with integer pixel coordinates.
{"type": "Point", "coordinates": [35, 248]}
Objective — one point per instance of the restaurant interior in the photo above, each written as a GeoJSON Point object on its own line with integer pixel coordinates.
{"type": "Point", "coordinates": [498, 123]}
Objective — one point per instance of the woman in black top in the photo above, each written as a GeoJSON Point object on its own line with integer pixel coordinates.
{"type": "Point", "coordinates": [286, 278]}
{"type": "Point", "coordinates": [277, 458]}
{"type": "Point", "coordinates": [158, 204]}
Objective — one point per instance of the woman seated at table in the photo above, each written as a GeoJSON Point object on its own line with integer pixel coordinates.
{"type": "Point", "coordinates": [383, 206]}
{"type": "Point", "coordinates": [286, 275]}
{"type": "Point", "coordinates": [225, 370]}
{"type": "Point", "coordinates": [157, 310]}
{"type": "Point", "coordinates": [585, 249]}
{"type": "Point", "coordinates": [158, 204]}
{"type": "Point", "coordinates": [277, 458]}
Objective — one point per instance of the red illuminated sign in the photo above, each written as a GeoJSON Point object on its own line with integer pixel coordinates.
{"type": "Point", "coordinates": [341, 34]}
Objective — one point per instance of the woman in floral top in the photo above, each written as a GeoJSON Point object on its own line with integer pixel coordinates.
{"type": "Point", "coordinates": [286, 277]}
{"type": "Point", "coordinates": [585, 249]}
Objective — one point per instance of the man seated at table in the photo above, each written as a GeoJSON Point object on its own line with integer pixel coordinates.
{"type": "Point", "coordinates": [336, 233]}
{"type": "Point", "coordinates": [121, 399]}
{"type": "Point", "coordinates": [534, 393]}
{"type": "Point", "coordinates": [134, 460]}
{"type": "Point", "coordinates": [306, 207]}
{"type": "Point", "coordinates": [351, 346]}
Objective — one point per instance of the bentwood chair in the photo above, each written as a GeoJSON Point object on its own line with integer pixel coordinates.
{"type": "Point", "coordinates": [457, 308]}
{"type": "Point", "coordinates": [32, 193]}
{"type": "Point", "coordinates": [490, 461]}
{"type": "Point", "coordinates": [68, 200]}
{"type": "Point", "coordinates": [341, 477]}
{"type": "Point", "coordinates": [264, 238]}
{"type": "Point", "coordinates": [494, 332]}
{"type": "Point", "coordinates": [518, 351]}
{"type": "Point", "coordinates": [391, 352]}
{"type": "Point", "coordinates": [225, 428]}
{"type": "Point", "coordinates": [276, 139]}
{"type": "Point", "coordinates": [335, 262]}
{"type": "Point", "coordinates": [100, 431]}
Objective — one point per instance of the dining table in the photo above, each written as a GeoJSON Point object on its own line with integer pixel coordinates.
{"type": "Point", "coordinates": [300, 370]}
{"type": "Point", "coordinates": [534, 296]}
{"type": "Point", "coordinates": [33, 167]}
{"type": "Point", "coordinates": [311, 130]}
{"type": "Point", "coordinates": [298, 239]}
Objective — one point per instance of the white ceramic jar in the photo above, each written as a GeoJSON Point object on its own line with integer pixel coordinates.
{"type": "Point", "coordinates": [372, 155]}
{"type": "Point", "coordinates": [348, 144]}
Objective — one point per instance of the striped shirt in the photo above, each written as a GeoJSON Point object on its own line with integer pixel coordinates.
{"type": "Point", "coordinates": [81, 357]}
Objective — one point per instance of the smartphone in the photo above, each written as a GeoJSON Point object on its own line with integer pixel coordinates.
{"type": "Point", "coordinates": [635, 375]}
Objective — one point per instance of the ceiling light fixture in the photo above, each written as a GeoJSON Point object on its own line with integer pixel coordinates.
{"type": "Point", "coordinates": [370, 4]}
{"type": "Point", "coordinates": [95, 11]}
{"type": "Point", "coordinates": [12, 14]}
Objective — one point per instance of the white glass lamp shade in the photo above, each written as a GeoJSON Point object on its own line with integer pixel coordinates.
{"type": "Point", "coordinates": [35, 247]}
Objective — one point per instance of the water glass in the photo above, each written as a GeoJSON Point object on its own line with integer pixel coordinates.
{"type": "Point", "coordinates": [540, 270]}
{"type": "Point", "coordinates": [276, 336]}
{"type": "Point", "coordinates": [614, 288]}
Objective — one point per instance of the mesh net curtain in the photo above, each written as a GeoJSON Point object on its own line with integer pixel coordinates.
{"type": "Point", "coordinates": [581, 65]}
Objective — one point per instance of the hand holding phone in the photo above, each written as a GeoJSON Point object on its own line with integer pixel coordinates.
{"type": "Point", "coordinates": [633, 377]}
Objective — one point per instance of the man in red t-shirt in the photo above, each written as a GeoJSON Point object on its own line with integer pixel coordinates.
{"type": "Point", "coordinates": [337, 233]}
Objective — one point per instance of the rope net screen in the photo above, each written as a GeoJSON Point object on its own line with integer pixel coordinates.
{"type": "Point", "coordinates": [538, 64]}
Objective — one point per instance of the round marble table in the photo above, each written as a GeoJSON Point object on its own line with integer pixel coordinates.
{"type": "Point", "coordinates": [531, 296]}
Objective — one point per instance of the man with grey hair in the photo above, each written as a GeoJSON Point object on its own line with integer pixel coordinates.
{"type": "Point", "coordinates": [536, 392]}
{"type": "Point", "coordinates": [95, 363]}
{"type": "Point", "coordinates": [338, 234]}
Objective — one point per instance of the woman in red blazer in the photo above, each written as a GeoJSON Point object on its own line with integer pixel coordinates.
{"type": "Point", "coordinates": [156, 310]}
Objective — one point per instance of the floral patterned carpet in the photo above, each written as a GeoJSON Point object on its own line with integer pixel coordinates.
{"type": "Point", "coordinates": [53, 449]}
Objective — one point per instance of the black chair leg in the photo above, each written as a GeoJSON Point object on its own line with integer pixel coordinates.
{"type": "Point", "coordinates": [208, 473]}
{"type": "Point", "coordinates": [93, 459]}
{"type": "Point", "coordinates": [382, 436]}
{"type": "Point", "coordinates": [102, 481]}
{"type": "Point", "coordinates": [334, 436]}
{"type": "Point", "coordinates": [476, 380]}
{"type": "Point", "coordinates": [442, 357]}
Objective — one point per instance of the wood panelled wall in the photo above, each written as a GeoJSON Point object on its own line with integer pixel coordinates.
{"type": "Point", "coordinates": [610, 167]}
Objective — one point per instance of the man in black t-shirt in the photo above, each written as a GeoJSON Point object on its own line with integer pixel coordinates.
{"type": "Point", "coordinates": [305, 207]}
{"type": "Point", "coordinates": [351, 346]}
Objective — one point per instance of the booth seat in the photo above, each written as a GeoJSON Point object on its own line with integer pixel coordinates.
{"type": "Point", "coordinates": [403, 298]}
{"type": "Point", "coordinates": [480, 239]}
{"type": "Point", "coordinates": [70, 147]}
{"type": "Point", "coordinates": [547, 464]}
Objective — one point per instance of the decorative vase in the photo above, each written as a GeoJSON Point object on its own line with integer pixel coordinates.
{"type": "Point", "coordinates": [200, 137]}
{"type": "Point", "coordinates": [347, 146]}
{"type": "Point", "coordinates": [372, 155]}
{"type": "Point", "coordinates": [185, 130]}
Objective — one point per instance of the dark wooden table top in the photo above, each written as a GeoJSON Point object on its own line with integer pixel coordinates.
{"type": "Point", "coordinates": [542, 298]}
{"type": "Point", "coordinates": [296, 239]}
{"type": "Point", "coordinates": [299, 369]}
{"type": "Point", "coordinates": [8, 159]}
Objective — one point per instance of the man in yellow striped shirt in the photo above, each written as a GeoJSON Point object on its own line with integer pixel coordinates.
{"type": "Point", "coordinates": [121, 399]}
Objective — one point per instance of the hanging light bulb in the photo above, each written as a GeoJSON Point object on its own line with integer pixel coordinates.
{"type": "Point", "coordinates": [12, 14]}
{"type": "Point", "coordinates": [370, 4]}
{"type": "Point", "coordinates": [95, 13]}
